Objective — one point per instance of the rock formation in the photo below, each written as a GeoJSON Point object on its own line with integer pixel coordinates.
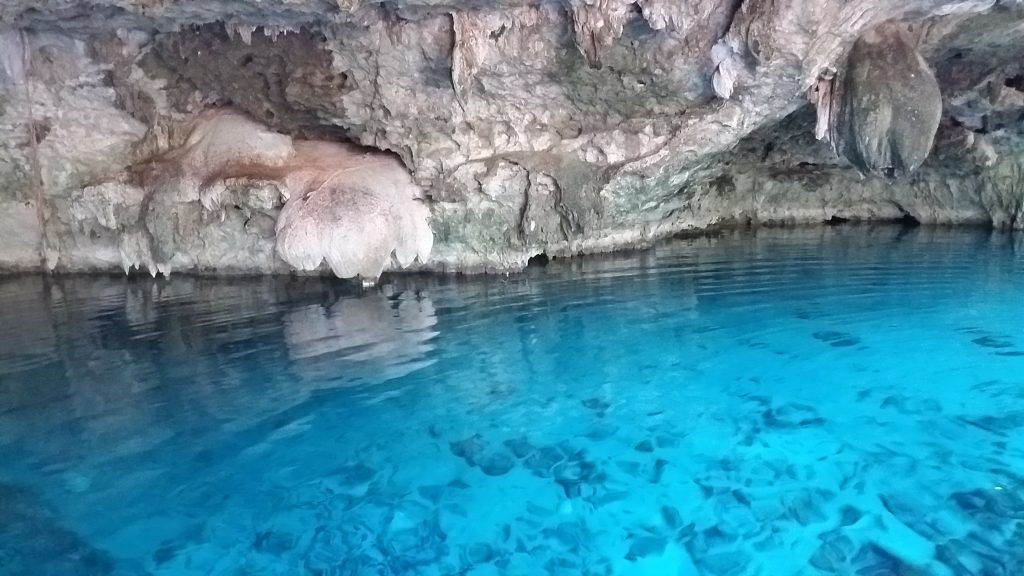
{"type": "Point", "coordinates": [512, 128]}
{"type": "Point", "coordinates": [882, 113]}
{"type": "Point", "coordinates": [354, 209]}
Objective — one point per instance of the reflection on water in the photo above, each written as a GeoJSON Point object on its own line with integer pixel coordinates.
{"type": "Point", "coordinates": [818, 401]}
{"type": "Point", "coordinates": [131, 360]}
{"type": "Point", "coordinates": [387, 336]}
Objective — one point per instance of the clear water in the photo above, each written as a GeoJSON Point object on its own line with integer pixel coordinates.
{"type": "Point", "coordinates": [843, 401]}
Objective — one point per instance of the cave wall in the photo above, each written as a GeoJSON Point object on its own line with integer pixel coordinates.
{"type": "Point", "coordinates": [555, 127]}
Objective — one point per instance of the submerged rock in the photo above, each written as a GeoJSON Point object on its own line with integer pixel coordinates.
{"type": "Point", "coordinates": [644, 546]}
{"type": "Point", "coordinates": [792, 415]}
{"type": "Point", "coordinates": [497, 464]}
{"type": "Point", "coordinates": [987, 505]}
{"type": "Point", "coordinates": [470, 449]}
{"type": "Point", "coordinates": [873, 560]}
{"type": "Point", "coordinates": [33, 541]}
{"type": "Point", "coordinates": [520, 447]}
{"type": "Point", "coordinates": [837, 339]}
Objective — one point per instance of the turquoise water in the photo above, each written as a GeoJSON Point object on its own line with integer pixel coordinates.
{"type": "Point", "coordinates": [837, 401]}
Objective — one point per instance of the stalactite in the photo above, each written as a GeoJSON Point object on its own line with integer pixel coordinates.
{"type": "Point", "coordinates": [886, 107]}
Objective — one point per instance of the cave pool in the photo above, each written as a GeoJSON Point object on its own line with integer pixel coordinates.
{"type": "Point", "coordinates": [843, 401]}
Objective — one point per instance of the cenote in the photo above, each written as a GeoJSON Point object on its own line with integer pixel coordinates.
{"type": "Point", "coordinates": [823, 401]}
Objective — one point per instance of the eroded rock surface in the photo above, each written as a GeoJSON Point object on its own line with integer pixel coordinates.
{"type": "Point", "coordinates": [529, 127]}
{"type": "Point", "coordinates": [357, 210]}
{"type": "Point", "coordinates": [886, 106]}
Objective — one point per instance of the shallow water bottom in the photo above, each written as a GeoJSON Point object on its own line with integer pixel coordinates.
{"type": "Point", "coordinates": [836, 401]}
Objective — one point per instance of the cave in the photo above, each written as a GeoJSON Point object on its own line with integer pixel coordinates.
{"type": "Point", "coordinates": [715, 287]}
{"type": "Point", "coordinates": [551, 128]}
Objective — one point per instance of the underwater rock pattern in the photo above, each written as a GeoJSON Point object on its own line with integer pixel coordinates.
{"type": "Point", "coordinates": [537, 434]}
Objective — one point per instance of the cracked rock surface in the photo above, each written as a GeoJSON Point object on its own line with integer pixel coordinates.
{"type": "Point", "coordinates": [557, 127]}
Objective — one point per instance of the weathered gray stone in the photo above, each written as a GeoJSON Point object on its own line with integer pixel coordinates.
{"type": "Point", "coordinates": [888, 106]}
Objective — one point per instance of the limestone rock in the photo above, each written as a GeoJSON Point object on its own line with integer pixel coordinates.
{"type": "Point", "coordinates": [889, 105]}
{"type": "Point", "coordinates": [518, 128]}
{"type": "Point", "coordinates": [353, 210]}
{"type": "Point", "coordinates": [14, 54]}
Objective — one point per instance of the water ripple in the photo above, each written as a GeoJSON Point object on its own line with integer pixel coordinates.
{"type": "Point", "coordinates": [813, 401]}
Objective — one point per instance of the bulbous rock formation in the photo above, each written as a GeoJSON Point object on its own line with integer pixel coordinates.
{"type": "Point", "coordinates": [883, 110]}
{"type": "Point", "coordinates": [354, 208]}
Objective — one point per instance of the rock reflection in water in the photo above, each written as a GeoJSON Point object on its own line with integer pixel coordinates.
{"type": "Point", "coordinates": [379, 336]}
{"type": "Point", "coordinates": [82, 336]}
{"type": "Point", "coordinates": [820, 401]}
{"type": "Point", "coordinates": [157, 372]}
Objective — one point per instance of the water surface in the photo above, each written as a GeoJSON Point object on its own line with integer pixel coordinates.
{"type": "Point", "coordinates": [836, 401]}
